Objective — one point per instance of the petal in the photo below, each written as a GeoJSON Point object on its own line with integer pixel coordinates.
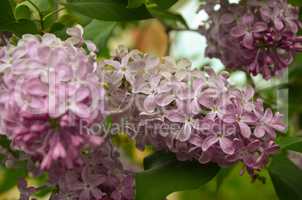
{"type": "Point", "coordinates": [208, 142]}
{"type": "Point", "coordinates": [229, 118]}
{"type": "Point", "coordinates": [253, 146]}
{"type": "Point", "coordinates": [245, 129]}
{"type": "Point", "coordinates": [268, 116]}
{"type": "Point", "coordinates": [248, 118]}
{"type": "Point", "coordinates": [259, 27]}
{"type": "Point", "coordinates": [227, 146]}
{"type": "Point", "coordinates": [248, 41]}
{"type": "Point", "coordinates": [247, 19]}
{"type": "Point", "coordinates": [175, 116]}
{"type": "Point", "coordinates": [81, 94]}
{"type": "Point", "coordinates": [97, 193]}
{"type": "Point", "coordinates": [91, 46]}
{"type": "Point", "coordinates": [149, 103]}
{"type": "Point", "coordinates": [259, 131]}
{"type": "Point", "coordinates": [196, 141]}
{"type": "Point", "coordinates": [185, 133]}
{"type": "Point", "coordinates": [227, 18]}
{"type": "Point", "coordinates": [76, 31]}
{"type": "Point", "coordinates": [58, 151]}
{"type": "Point", "coordinates": [205, 157]}
{"type": "Point", "coordinates": [85, 195]}
{"type": "Point", "coordinates": [238, 31]}
{"type": "Point", "coordinates": [195, 107]}
{"type": "Point", "coordinates": [278, 23]}
{"type": "Point", "coordinates": [164, 99]}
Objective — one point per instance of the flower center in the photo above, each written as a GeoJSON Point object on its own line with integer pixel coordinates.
{"type": "Point", "coordinates": [54, 124]}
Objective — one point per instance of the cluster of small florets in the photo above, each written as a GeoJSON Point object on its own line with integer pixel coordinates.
{"type": "Point", "coordinates": [48, 90]}
{"type": "Point", "coordinates": [52, 92]}
{"type": "Point", "coordinates": [101, 177]}
{"type": "Point", "coordinates": [195, 114]}
{"type": "Point", "coordinates": [259, 37]}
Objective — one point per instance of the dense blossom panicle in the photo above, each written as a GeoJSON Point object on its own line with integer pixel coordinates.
{"type": "Point", "coordinates": [259, 37]}
{"type": "Point", "coordinates": [49, 88]}
{"type": "Point", "coordinates": [101, 177]}
{"type": "Point", "coordinates": [195, 114]}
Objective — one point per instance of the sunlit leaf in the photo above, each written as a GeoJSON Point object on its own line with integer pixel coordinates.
{"type": "Point", "coordinates": [99, 32]}
{"type": "Point", "coordinates": [22, 12]}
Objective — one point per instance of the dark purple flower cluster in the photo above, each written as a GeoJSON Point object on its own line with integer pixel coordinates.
{"type": "Point", "coordinates": [195, 114]}
{"type": "Point", "coordinates": [259, 37]}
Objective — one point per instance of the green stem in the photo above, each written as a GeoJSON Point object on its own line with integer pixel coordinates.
{"type": "Point", "coordinates": [191, 30]}
{"type": "Point", "coordinates": [53, 12]}
{"type": "Point", "coordinates": [40, 13]}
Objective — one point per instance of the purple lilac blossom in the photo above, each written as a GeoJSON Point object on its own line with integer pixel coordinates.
{"type": "Point", "coordinates": [259, 37]}
{"type": "Point", "coordinates": [101, 177]}
{"type": "Point", "coordinates": [49, 88]}
{"type": "Point", "coordinates": [196, 114]}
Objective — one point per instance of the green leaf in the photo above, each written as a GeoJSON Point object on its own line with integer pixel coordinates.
{"type": "Point", "coordinates": [45, 5]}
{"type": "Point", "coordinates": [6, 13]}
{"type": "Point", "coordinates": [168, 176]}
{"type": "Point", "coordinates": [99, 32]}
{"type": "Point", "coordinates": [11, 176]}
{"type": "Point", "coordinates": [109, 10]}
{"type": "Point", "coordinates": [286, 177]}
{"type": "Point", "coordinates": [164, 4]}
{"type": "Point", "coordinates": [295, 2]}
{"type": "Point", "coordinates": [158, 158]}
{"type": "Point", "coordinates": [135, 3]}
{"type": "Point", "coordinates": [290, 143]}
{"type": "Point", "coordinates": [172, 20]}
{"type": "Point", "coordinates": [22, 11]}
{"type": "Point", "coordinates": [221, 176]}
{"type": "Point", "coordinates": [21, 27]}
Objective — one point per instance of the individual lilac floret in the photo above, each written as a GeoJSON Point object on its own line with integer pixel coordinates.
{"type": "Point", "coordinates": [195, 114]}
{"type": "Point", "coordinates": [259, 37]}
{"type": "Point", "coordinates": [50, 95]}
{"type": "Point", "coordinates": [101, 177]}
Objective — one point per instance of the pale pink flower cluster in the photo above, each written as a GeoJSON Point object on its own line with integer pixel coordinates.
{"type": "Point", "coordinates": [48, 88]}
{"type": "Point", "coordinates": [195, 114]}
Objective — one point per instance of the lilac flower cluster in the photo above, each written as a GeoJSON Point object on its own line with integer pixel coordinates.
{"type": "Point", "coordinates": [48, 86]}
{"type": "Point", "coordinates": [101, 177]}
{"type": "Point", "coordinates": [259, 37]}
{"type": "Point", "coordinates": [195, 114]}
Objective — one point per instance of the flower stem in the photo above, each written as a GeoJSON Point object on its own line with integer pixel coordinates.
{"type": "Point", "coordinates": [53, 12]}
